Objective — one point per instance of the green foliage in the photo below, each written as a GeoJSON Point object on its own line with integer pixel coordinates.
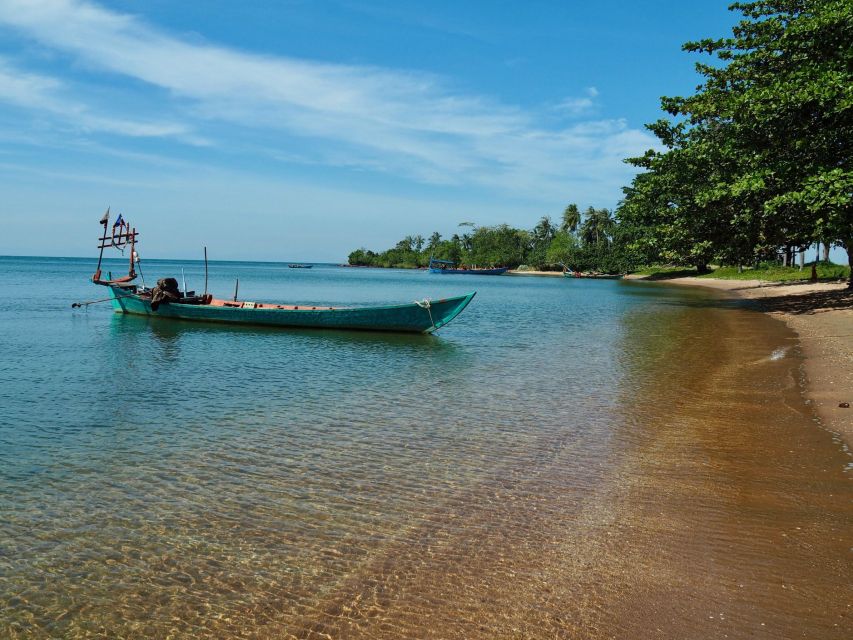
{"type": "Point", "coordinates": [362, 257]}
{"type": "Point", "coordinates": [766, 271]}
{"type": "Point", "coordinates": [597, 227]}
{"type": "Point", "coordinates": [501, 245]}
{"type": "Point", "coordinates": [591, 242]}
{"type": "Point", "coordinates": [571, 219]}
{"type": "Point", "coordinates": [760, 156]}
{"type": "Point", "coordinates": [773, 272]}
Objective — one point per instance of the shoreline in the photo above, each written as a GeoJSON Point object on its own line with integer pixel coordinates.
{"type": "Point", "coordinates": [821, 314]}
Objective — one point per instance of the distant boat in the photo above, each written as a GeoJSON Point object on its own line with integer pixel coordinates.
{"type": "Point", "coordinates": [448, 266]}
{"type": "Point", "coordinates": [296, 265]}
{"type": "Point", "coordinates": [166, 300]}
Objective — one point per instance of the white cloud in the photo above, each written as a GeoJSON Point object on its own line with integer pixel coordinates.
{"type": "Point", "coordinates": [27, 89]}
{"type": "Point", "coordinates": [45, 93]}
{"type": "Point", "coordinates": [576, 106]}
{"type": "Point", "coordinates": [407, 124]}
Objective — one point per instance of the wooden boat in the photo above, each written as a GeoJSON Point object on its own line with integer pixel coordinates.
{"type": "Point", "coordinates": [167, 301]}
{"type": "Point", "coordinates": [448, 266]}
{"type": "Point", "coordinates": [300, 266]}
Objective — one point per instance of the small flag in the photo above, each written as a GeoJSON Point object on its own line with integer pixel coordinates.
{"type": "Point", "coordinates": [106, 217]}
{"type": "Point", "coordinates": [119, 222]}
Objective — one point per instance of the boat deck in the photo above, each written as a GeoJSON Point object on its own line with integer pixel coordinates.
{"type": "Point", "coordinates": [242, 304]}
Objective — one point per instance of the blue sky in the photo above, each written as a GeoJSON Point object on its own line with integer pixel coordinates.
{"type": "Point", "coordinates": [299, 130]}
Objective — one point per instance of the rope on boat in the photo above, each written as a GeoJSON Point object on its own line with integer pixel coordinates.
{"type": "Point", "coordinates": [425, 304]}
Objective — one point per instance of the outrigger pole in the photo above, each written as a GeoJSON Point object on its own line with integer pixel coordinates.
{"type": "Point", "coordinates": [205, 272]}
{"type": "Point", "coordinates": [77, 305]}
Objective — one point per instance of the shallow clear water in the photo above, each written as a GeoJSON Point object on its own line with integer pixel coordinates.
{"type": "Point", "coordinates": [163, 477]}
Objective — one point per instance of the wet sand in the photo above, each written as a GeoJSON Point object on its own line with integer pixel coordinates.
{"type": "Point", "coordinates": [822, 316]}
{"type": "Point", "coordinates": [725, 514]}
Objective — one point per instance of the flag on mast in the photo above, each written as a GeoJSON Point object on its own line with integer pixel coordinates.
{"type": "Point", "coordinates": [106, 217]}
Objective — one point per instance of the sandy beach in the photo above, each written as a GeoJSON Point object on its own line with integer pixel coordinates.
{"type": "Point", "coordinates": [822, 316]}
{"type": "Point", "coordinates": [515, 272]}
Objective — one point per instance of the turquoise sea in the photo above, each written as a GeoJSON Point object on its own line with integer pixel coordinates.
{"type": "Point", "coordinates": [168, 479]}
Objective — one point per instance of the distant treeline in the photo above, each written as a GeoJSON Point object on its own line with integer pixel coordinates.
{"type": "Point", "coordinates": [588, 241]}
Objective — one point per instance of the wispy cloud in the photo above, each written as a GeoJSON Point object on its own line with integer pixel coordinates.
{"type": "Point", "coordinates": [48, 94]}
{"type": "Point", "coordinates": [579, 105]}
{"type": "Point", "coordinates": [408, 124]}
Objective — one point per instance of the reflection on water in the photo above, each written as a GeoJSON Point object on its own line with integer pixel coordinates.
{"type": "Point", "coordinates": [169, 330]}
{"type": "Point", "coordinates": [567, 459]}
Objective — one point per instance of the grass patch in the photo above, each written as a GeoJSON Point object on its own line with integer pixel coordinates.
{"type": "Point", "coordinates": [778, 273]}
{"type": "Point", "coordinates": [769, 272]}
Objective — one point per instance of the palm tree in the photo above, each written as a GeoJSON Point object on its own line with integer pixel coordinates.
{"type": "Point", "coordinates": [544, 231]}
{"type": "Point", "coordinates": [571, 219]}
{"type": "Point", "coordinates": [419, 243]}
{"type": "Point", "coordinates": [406, 244]}
{"type": "Point", "coordinates": [434, 239]}
{"type": "Point", "coordinates": [597, 226]}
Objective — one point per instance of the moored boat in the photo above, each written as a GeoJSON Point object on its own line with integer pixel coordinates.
{"type": "Point", "coordinates": [449, 267]}
{"type": "Point", "coordinates": [166, 300]}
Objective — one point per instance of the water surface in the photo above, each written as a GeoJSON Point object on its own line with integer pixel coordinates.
{"type": "Point", "coordinates": [567, 458]}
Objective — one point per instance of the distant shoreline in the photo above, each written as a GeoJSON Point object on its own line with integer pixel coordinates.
{"type": "Point", "coordinates": [821, 314]}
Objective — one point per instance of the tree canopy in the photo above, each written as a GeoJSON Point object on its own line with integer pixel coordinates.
{"type": "Point", "coordinates": [759, 158]}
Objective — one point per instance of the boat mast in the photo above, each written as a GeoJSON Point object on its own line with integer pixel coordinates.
{"type": "Point", "coordinates": [131, 272]}
{"type": "Point", "coordinates": [104, 221]}
{"type": "Point", "coordinates": [122, 235]}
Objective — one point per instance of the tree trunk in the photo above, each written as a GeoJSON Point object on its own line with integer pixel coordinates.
{"type": "Point", "coordinates": [826, 252]}
{"type": "Point", "coordinates": [848, 246]}
{"type": "Point", "coordinates": [814, 264]}
{"type": "Point", "coordinates": [802, 259]}
{"type": "Point", "coordinates": [785, 257]}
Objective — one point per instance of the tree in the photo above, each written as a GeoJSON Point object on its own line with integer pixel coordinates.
{"type": "Point", "coordinates": [760, 156]}
{"type": "Point", "coordinates": [541, 237]}
{"type": "Point", "coordinates": [362, 257]}
{"type": "Point", "coordinates": [597, 226]}
{"type": "Point", "coordinates": [544, 231]}
{"type": "Point", "coordinates": [434, 240]}
{"type": "Point", "coordinates": [571, 219]}
{"type": "Point", "coordinates": [497, 246]}
{"type": "Point", "coordinates": [563, 249]}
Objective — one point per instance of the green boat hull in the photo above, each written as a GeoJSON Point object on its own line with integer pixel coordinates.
{"type": "Point", "coordinates": [409, 318]}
